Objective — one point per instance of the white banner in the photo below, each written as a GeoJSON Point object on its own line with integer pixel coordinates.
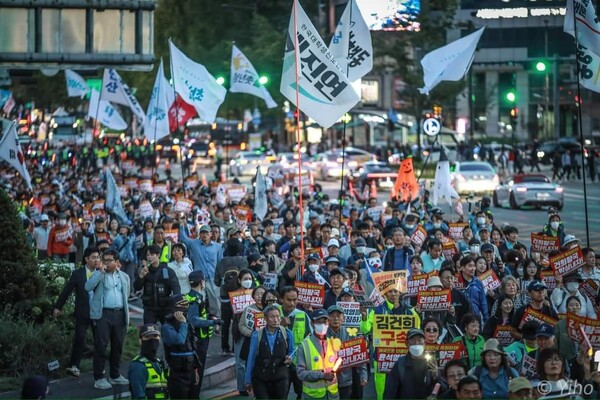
{"type": "Point", "coordinates": [588, 26]}
{"type": "Point", "coordinates": [114, 89]}
{"type": "Point", "coordinates": [76, 85]}
{"type": "Point", "coordinates": [245, 79]}
{"type": "Point", "coordinates": [156, 124]}
{"type": "Point", "coordinates": [107, 114]}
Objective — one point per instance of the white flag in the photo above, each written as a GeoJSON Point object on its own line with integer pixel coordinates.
{"type": "Point", "coordinates": [10, 151]}
{"type": "Point", "coordinates": [449, 63]}
{"type": "Point", "coordinates": [196, 85]}
{"type": "Point", "coordinates": [76, 85]}
{"type": "Point", "coordinates": [156, 124]}
{"type": "Point", "coordinates": [244, 78]}
{"type": "Point", "coordinates": [441, 183]}
{"type": "Point", "coordinates": [324, 90]}
{"type": "Point", "coordinates": [113, 199]}
{"type": "Point", "coordinates": [351, 43]}
{"type": "Point", "coordinates": [107, 115]}
{"type": "Point", "coordinates": [115, 89]}
{"type": "Point", "coordinates": [588, 26]}
{"type": "Point", "coordinates": [260, 195]}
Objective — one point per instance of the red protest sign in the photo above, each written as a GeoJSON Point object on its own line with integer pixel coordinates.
{"type": "Point", "coordinates": [419, 235]}
{"type": "Point", "coordinates": [589, 288]}
{"type": "Point", "coordinates": [449, 249]}
{"type": "Point", "coordinates": [502, 333]}
{"type": "Point", "coordinates": [446, 352]}
{"type": "Point", "coordinates": [435, 300]}
{"type": "Point", "coordinates": [240, 299]}
{"type": "Point", "coordinates": [310, 294]}
{"type": "Point", "coordinates": [416, 284]}
{"type": "Point", "coordinates": [353, 353]}
{"type": "Point", "coordinates": [386, 358]}
{"type": "Point", "coordinates": [544, 244]}
{"type": "Point", "coordinates": [259, 321]}
{"type": "Point", "coordinates": [455, 230]}
{"type": "Point", "coordinates": [585, 331]}
{"type": "Point", "coordinates": [535, 315]}
{"type": "Point", "coordinates": [549, 279]}
{"type": "Point", "coordinates": [567, 261]}
{"type": "Point", "coordinates": [490, 280]}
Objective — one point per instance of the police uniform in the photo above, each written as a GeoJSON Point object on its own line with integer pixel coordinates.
{"type": "Point", "coordinates": [147, 378]}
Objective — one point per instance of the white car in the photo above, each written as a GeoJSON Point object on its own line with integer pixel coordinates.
{"type": "Point", "coordinates": [529, 190]}
{"type": "Point", "coordinates": [245, 163]}
{"type": "Point", "coordinates": [329, 164]}
{"type": "Point", "coordinates": [473, 177]}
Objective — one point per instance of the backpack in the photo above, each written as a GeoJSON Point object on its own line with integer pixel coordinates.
{"type": "Point", "coordinates": [230, 280]}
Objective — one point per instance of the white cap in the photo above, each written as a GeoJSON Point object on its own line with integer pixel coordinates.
{"type": "Point", "coordinates": [333, 242]}
{"type": "Point", "coordinates": [44, 217]}
{"type": "Point", "coordinates": [335, 232]}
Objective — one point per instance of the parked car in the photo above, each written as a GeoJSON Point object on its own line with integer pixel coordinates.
{"type": "Point", "coordinates": [329, 164]}
{"type": "Point", "coordinates": [375, 171]}
{"type": "Point", "coordinates": [529, 190]}
{"type": "Point", "coordinates": [473, 177]}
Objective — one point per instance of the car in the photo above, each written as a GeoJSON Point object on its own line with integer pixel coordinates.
{"type": "Point", "coordinates": [329, 164]}
{"type": "Point", "coordinates": [245, 163]}
{"type": "Point", "coordinates": [475, 177]}
{"type": "Point", "coordinates": [529, 190]}
{"type": "Point", "coordinates": [290, 160]}
{"type": "Point", "coordinates": [375, 171]}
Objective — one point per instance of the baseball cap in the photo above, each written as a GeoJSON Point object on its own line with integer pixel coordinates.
{"type": "Point", "coordinates": [320, 313]}
{"type": "Point", "coordinates": [346, 292]}
{"type": "Point", "coordinates": [335, 232]}
{"type": "Point", "coordinates": [487, 247]}
{"type": "Point", "coordinates": [334, 243]}
{"type": "Point", "coordinates": [205, 228]}
{"type": "Point", "coordinates": [149, 329]}
{"type": "Point", "coordinates": [360, 242]}
{"type": "Point", "coordinates": [332, 259]}
{"type": "Point", "coordinates": [196, 277]}
{"type": "Point", "coordinates": [231, 231]}
{"type": "Point", "coordinates": [254, 257]}
{"type": "Point", "coordinates": [536, 286]}
{"type": "Point", "coordinates": [336, 271]}
{"type": "Point", "coordinates": [314, 256]}
{"type": "Point", "coordinates": [335, 308]}
{"type": "Point", "coordinates": [414, 332]}
{"type": "Point", "coordinates": [44, 217]}
{"type": "Point", "coordinates": [545, 330]}
{"type": "Point", "coordinates": [520, 383]}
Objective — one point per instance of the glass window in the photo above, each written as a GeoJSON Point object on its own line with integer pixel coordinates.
{"type": "Point", "coordinates": [72, 31]}
{"type": "Point", "coordinates": [369, 90]}
{"type": "Point", "coordinates": [128, 32]}
{"type": "Point", "coordinates": [14, 30]}
{"type": "Point", "coordinates": [147, 32]}
{"type": "Point", "coordinates": [51, 30]}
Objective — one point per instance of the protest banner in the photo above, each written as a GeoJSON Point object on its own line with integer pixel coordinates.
{"type": "Point", "coordinates": [490, 280]}
{"type": "Point", "coordinates": [446, 352]}
{"type": "Point", "coordinates": [567, 261]}
{"type": "Point", "coordinates": [243, 213]}
{"type": "Point", "coordinates": [435, 300]}
{"type": "Point", "coordinates": [254, 318]}
{"type": "Point", "coordinates": [449, 249]}
{"type": "Point", "coordinates": [419, 235]}
{"type": "Point", "coordinates": [582, 330]}
{"type": "Point", "coordinates": [236, 193]}
{"type": "Point", "coordinates": [549, 279]}
{"type": "Point", "coordinates": [363, 300]}
{"type": "Point", "coordinates": [192, 181]}
{"type": "Point", "coordinates": [389, 330]}
{"type": "Point", "coordinates": [173, 234]}
{"type": "Point", "coordinates": [310, 294]}
{"type": "Point", "coordinates": [455, 230]}
{"type": "Point", "coordinates": [416, 284]}
{"type": "Point", "coordinates": [123, 190]}
{"type": "Point", "coordinates": [375, 212]}
{"type": "Point", "coordinates": [352, 316]}
{"type": "Point", "coordinates": [502, 333]}
{"type": "Point", "coordinates": [544, 244]}
{"type": "Point", "coordinates": [146, 185]}
{"type": "Point", "coordinates": [353, 353]}
{"type": "Point", "coordinates": [376, 298]}
{"type": "Point", "coordinates": [240, 299]}
{"type": "Point", "coordinates": [259, 321]}
{"type": "Point", "coordinates": [161, 188]}
{"type": "Point", "coordinates": [146, 210]}
{"type": "Point", "coordinates": [146, 172]}
{"type": "Point", "coordinates": [529, 366]}
{"type": "Point", "coordinates": [386, 358]}
{"type": "Point", "coordinates": [589, 288]}
{"type": "Point", "coordinates": [61, 234]}
{"type": "Point", "coordinates": [98, 206]}
{"type": "Point", "coordinates": [270, 280]}
{"type": "Point", "coordinates": [183, 205]}
{"type": "Point", "coordinates": [131, 182]}
{"type": "Point", "coordinates": [535, 315]}
{"type": "Point", "coordinates": [386, 281]}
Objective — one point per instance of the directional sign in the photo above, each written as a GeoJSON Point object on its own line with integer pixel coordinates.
{"type": "Point", "coordinates": [431, 126]}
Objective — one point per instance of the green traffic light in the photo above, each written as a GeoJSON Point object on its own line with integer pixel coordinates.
{"type": "Point", "coordinates": [540, 66]}
{"type": "Point", "coordinates": [220, 80]}
{"type": "Point", "coordinates": [510, 96]}
{"type": "Point", "coordinates": [263, 80]}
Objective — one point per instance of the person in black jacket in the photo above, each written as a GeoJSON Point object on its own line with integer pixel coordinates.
{"type": "Point", "coordinates": [76, 283]}
{"type": "Point", "coordinates": [158, 283]}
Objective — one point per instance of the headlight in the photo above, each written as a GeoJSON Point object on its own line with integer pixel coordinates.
{"type": "Point", "coordinates": [541, 154]}
{"type": "Point", "coordinates": [559, 189]}
{"type": "Point", "coordinates": [521, 189]}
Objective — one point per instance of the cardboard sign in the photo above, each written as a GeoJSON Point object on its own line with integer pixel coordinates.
{"type": "Point", "coordinates": [363, 300]}
{"type": "Point", "coordinates": [131, 182]}
{"type": "Point", "coordinates": [310, 294]}
{"type": "Point", "coordinates": [567, 261]}
{"type": "Point", "coordinates": [386, 281]}
{"type": "Point", "coordinates": [183, 205]}
{"type": "Point", "coordinates": [146, 185]}
{"type": "Point", "coordinates": [161, 188]}
{"type": "Point", "coordinates": [353, 353]}
{"type": "Point", "coordinates": [455, 230]}
{"type": "Point", "coordinates": [270, 280]}
{"type": "Point", "coordinates": [254, 319]}
{"type": "Point", "coordinates": [435, 300]}
{"type": "Point", "coordinates": [535, 315]}
{"type": "Point", "coordinates": [529, 366]}
{"type": "Point", "coordinates": [386, 358]}
{"type": "Point", "coordinates": [352, 316]}
{"type": "Point", "coordinates": [240, 299]}
{"type": "Point", "coordinates": [416, 284]}
{"type": "Point", "coordinates": [375, 212]}
{"type": "Point", "coordinates": [544, 244]}
{"type": "Point", "coordinates": [419, 236]}
{"type": "Point", "coordinates": [502, 333]}
{"type": "Point", "coordinates": [549, 279]}
{"type": "Point", "coordinates": [390, 330]}
{"type": "Point", "coordinates": [236, 193]}
{"type": "Point", "coordinates": [146, 210]}
{"type": "Point", "coordinates": [449, 249]}
{"type": "Point", "coordinates": [589, 288]}
{"type": "Point", "coordinates": [490, 280]}
{"type": "Point", "coordinates": [585, 331]}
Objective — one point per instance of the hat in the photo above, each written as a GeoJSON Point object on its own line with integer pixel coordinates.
{"type": "Point", "coordinates": [483, 228]}
{"type": "Point", "coordinates": [434, 281]}
{"type": "Point", "coordinates": [332, 259]}
{"type": "Point", "coordinates": [536, 286]}
{"type": "Point", "coordinates": [335, 308]}
{"type": "Point", "coordinates": [196, 277]}
{"type": "Point", "coordinates": [436, 210]}
{"type": "Point", "coordinates": [334, 243]}
{"type": "Point", "coordinates": [35, 387]}
{"type": "Point", "coordinates": [493, 345]}
{"type": "Point", "coordinates": [205, 228]}
{"type": "Point", "coordinates": [314, 256]}
{"type": "Point", "coordinates": [487, 247]}
{"type": "Point", "coordinates": [545, 330]}
{"type": "Point", "coordinates": [360, 242]}
{"type": "Point", "coordinates": [99, 218]}
{"type": "Point", "coordinates": [149, 329]}
{"type": "Point", "coordinates": [231, 231]}
{"type": "Point", "coordinates": [44, 217]}
{"type": "Point", "coordinates": [335, 232]}
{"type": "Point", "coordinates": [474, 241]}
{"type": "Point", "coordinates": [569, 239]}
{"type": "Point", "coordinates": [520, 383]}
{"type": "Point", "coordinates": [320, 313]}
{"type": "Point", "coordinates": [336, 271]}
{"type": "Point", "coordinates": [573, 276]}
{"type": "Point", "coordinates": [346, 292]}
{"type": "Point", "coordinates": [254, 257]}
{"type": "Point", "coordinates": [414, 332]}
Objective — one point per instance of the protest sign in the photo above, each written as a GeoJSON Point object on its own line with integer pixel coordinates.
{"type": "Point", "coordinates": [502, 333]}
{"type": "Point", "coordinates": [240, 299]}
{"type": "Point", "coordinates": [549, 279]}
{"type": "Point", "coordinates": [183, 205]}
{"type": "Point", "coordinates": [535, 315]}
{"type": "Point", "coordinates": [455, 230]}
{"type": "Point", "coordinates": [584, 330]}
{"type": "Point", "coordinates": [490, 280]}
{"type": "Point", "coordinates": [419, 235]}
{"type": "Point", "coordinates": [449, 249]}
{"type": "Point", "coordinates": [589, 288]}
{"type": "Point", "coordinates": [243, 213]}
{"type": "Point", "coordinates": [529, 366]}
{"type": "Point", "coordinates": [310, 294]}
{"type": "Point", "coordinates": [386, 358]}
{"type": "Point", "coordinates": [146, 172]}
{"type": "Point", "coordinates": [146, 185]}
{"type": "Point", "coordinates": [389, 330]}
{"type": "Point", "coordinates": [146, 210]}
{"type": "Point", "coordinates": [98, 206]}
{"type": "Point", "coordinates": [363, 300]}
{"type": "Point", "coordinates": [236, 193]}
{"type": "Point", "coordinates": [353, 352]}
{"type": "Point", "coordinates": [352, 316]}
{"type": "Point", "coordinates": [567, 261]}
{"type": "Point", "coordinates": [375, 212]}
{"type": "Point", "coordinates": [127, 165]}
{"type": "Point", "coordinates": [435, 300]}
{"type": "Point", "coordinates": [259, 321]}
{"type": "Point", "coordinates": [270, 280]}
{"type": "Point", "coordinates": [61, 234]}
{"type": "Point", "coordinates": [192, 181]}
{"type": "Point", "coordinates": [161, 188]}
{"type": "Point", "coordinates": [376, 298]}
{"type": "Point", "coordinates": [255, 319]}
{"type": "Point", "coordinates": [131, 182]}
{"type": "Point", "coordinates": [173, 234]}
{"type": "Point", "coordinates": [386, 281]}
{"type": "Point", "coordinates": [123, 190]}
{"type": "Point", "coordinates": [416, 283]}
{"type": "Point", "coordinates": [446, 352]}
{"type": "Point", "coordinates": [544, 244]}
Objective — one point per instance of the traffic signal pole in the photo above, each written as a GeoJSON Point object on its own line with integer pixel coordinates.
{"type": "Point", "coordinates": [555, 97]}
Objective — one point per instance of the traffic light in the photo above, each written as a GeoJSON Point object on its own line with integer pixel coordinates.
{"type": "Point", "coordinates": [511, 96]}
{"type": "Point", "coordinates": [541, 66]}
{"type": "Point", "coordinates": [220, 80]}
{"type": "Point", "coordinates": [514, 114]}
{"type": "Point", "coordinates": [263, 80]}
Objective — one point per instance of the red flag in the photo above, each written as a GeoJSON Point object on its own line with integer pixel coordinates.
{"type": "Point", "coordinates": [459, 208]}
{"type": "Point", "coordinates": [406, 187]}
{"type": "Point", "coordinates": [180, 112]}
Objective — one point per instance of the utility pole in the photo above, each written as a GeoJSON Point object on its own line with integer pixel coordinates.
{"type": "Point", "coordinates": [556, 97]}
{"type": "Point", "coordinates": [546, 132]}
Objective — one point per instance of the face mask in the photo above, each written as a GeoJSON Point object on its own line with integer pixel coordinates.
{"type": "Point", "coordinates": [474, 249]}
{"type": "Point", "coordinates": [135, 197]}
{"type": "Point", "coordinates": [416, 350]}
{"type": "Point", "coordinates": [247, 284]}
{"type": "Point", "coordinates": [361, 249]}
{"type": "Point", "coordinates": [480, 221]}
{"type": "Point", "coordinates": [572, 286]}
{"type": "Point", "coordinates": [520, 271]}
{"type": "Point", "coordinates": [321, 329]}
{"type": "Point", "coordinates": [240, 239]}
{"type": "Point", "coordinates": [437, 225]}
{"type": "Point", "coordinates": [313, 267]}
{"type": "Point", "coordinates": [345, 284]}
{"type": "Point", "coordinates": [410, 226]}
{"type": "Point", "coordinates": [390, 246]}
{"type": "Point", "coordinates": [150, 347]}
{"type": "Point", "coordinates": [62, 221]}
{"type": "Point", "coordinates": [554, 225]}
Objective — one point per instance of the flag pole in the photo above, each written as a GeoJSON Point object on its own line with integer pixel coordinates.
{"type": "Point", "coordinates": [177, 121]}
{"type": "Point", "coordinates": [96, 124]}
{"type": "Point", "coordinates": [341, 194]}
{"type": "Point", "coordinates": [154, 168]}
{"type": "Point", "coordinates": [581, 141]}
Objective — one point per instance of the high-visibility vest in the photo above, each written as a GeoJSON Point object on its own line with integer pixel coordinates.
{"type": "Point", "coordinates": [299, 328]}
{"type": "Point", "coordinates": [156, 385]}
{"type": "Point", "coordinates": [203, 333]}
{"type": "Point", "coordinates": [315, 362]}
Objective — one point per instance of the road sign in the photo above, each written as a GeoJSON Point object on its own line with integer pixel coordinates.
{"type": "Point", "coordinates": [431, 126]}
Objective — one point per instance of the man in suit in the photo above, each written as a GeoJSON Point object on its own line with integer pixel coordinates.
{"type": "Point", "coordinates": [76, 283]}
{"type": "Point", "coordinates": [109, 310]}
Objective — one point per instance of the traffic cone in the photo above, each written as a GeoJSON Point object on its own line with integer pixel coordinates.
{"type": "Point", "coordinates": [373, 190]}
{"type": "Point", "coordinates": [204, 182]}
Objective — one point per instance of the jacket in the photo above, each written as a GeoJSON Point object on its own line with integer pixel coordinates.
{"type": "Point", "coordinates": [76, 283]}
{"type": "Point", "coordinates": [96, 283]}
{"type": "Point", "coordinates": [60, 240]}
{"type": "Point", "coordinates": [405, 382]}
{"type": "Point", "coordinates": [228, 264]}
{"type": "Point", "coordinates": [388, 259]}
{"type": "Point", "coordinates": [344, 376]}
{"type": "Point", "coordinates": [125, 246]}
{"type": "Point", "coordinates": [159, 284]}
{"type": "Point", "coordinates": [474, 349]}
{"type": "Point", "coordinates": [475, 293]}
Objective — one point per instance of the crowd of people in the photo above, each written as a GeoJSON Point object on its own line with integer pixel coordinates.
{"type": "Point", "coordinates": [193, 254]}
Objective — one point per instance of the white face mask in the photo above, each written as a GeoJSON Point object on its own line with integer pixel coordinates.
{"type": "Point", "coordinates": [520, 271]}
{"type": "Point", "coordinates": [247, 283]}
{"type": "Point", "coordinates": [416, 350]}
{"type": "Point", "coordinates": [410, 226]}
{"type": "Point", "coordinates": [390, 246]}
{"type": "Point", "coordinates": [572, 286]}
{"type": "Point", "coordinates": [321, 329]}
{"type": "Point", "coordinates": [62, 221]}
{"type": "Point", "coordinates": [437, 225]}
{"type": "Point", "coordinates": [361, 250]}
{"type": "Point", "coordinates": [474, 249]}
{"type": "Point", "coordinates": [313, 267]}
{"type": "Point", "coordinates": [554, 225]}
{"type": "Point", "coordinates": [480, 221]}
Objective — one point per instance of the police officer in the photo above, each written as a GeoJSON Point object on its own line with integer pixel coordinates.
{"type": "Point", "coordinates": [180, 345]}
{"type": "Point", "coordinates": [200, 319]}
{"type": "Point", "coordinates": [147, 372]}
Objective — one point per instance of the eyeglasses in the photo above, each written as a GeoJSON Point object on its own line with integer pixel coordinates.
{"type": "Point", "coordinates": [431, 330]}
{"type": "Point", "coordinates": [458, 377]}
{"type": "Point", "coordinates": [106, 261]}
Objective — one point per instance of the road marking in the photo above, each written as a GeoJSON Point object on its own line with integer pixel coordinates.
{"type": "Point", "coordinates": [112, 396]}
{"type": "Point", "coordinates": [226, 395]}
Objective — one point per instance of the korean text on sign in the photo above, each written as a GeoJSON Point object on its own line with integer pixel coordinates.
{"type": "Point", "coordinates": [490, 280]}
{"type": "Point", "coordinates": [544, 244]}
{"type": "Point", "coordinates": [390, 330]}
{"type": "Point", "coordinates": [352, 316]}
{"type": "Point", "coordinates": [567, 261]}
{"type": "Point", "coordinates": [439, 300]}
{"type": "Point", "coordinates": [310, 294]}
{"type": "Point", "coordinates": [534, 315]}
{"type": "Point", "coordinates": [580, 328]}
{"type": "Point", "coordinates": [240, 299]}
{"type": "Point", "coordinates": [354, 352]}
{"type": "Point", "coordinates": [386, 281]}
{"type": "Point", "coordinates": [416, 284]}
{"type": "Point", "coordinates": [386, 358]}
{"type": "Point", "coordinates": [419, 235]}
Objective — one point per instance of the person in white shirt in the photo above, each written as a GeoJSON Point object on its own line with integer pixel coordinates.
{"type": "Point", "coordinates": [567, 288]}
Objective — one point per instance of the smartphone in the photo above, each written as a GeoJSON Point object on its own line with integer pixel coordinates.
{"type": "Point", "coordinates": [247, 233]}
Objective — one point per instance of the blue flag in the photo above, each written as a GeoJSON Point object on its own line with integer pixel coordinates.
{"type": "Point", "coordinates": [113, 199]}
